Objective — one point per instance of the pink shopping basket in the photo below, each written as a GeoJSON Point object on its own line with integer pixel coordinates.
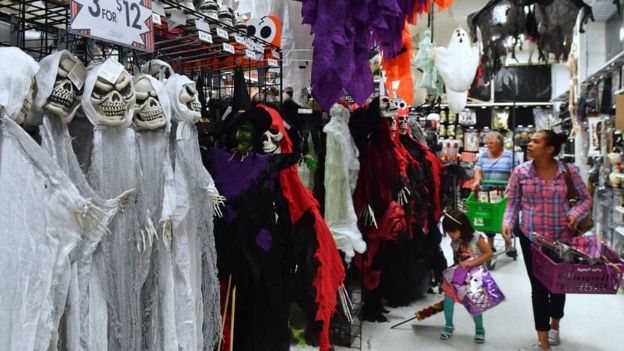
{"type": "Point", "coordinates": [571, 278]}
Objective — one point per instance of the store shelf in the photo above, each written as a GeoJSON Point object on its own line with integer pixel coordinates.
{"type": "Point", "coordinates": [611, 65]}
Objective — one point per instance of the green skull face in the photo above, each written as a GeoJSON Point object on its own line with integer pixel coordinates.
{"type": "Point", "coordinates": [244, 137]}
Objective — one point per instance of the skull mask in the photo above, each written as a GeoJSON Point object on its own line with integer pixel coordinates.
{"type": "Point", "coordinates": [65, 95]}
{"type": "Point", "coordinates": [190, 98]}
{"type": "Point", "coordinates": [149, 113]}
{"type": "Point", "coordinates": [387, 107]}
{"type": "Point", "coordinates": [113, 101]}
{"type": "Point", "coordinates": [271, 141]}
{"type": "Point", "coordinates": [157, 69]}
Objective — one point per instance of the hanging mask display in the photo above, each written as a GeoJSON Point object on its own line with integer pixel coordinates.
{"type": "Point", "coordinates": [59, 85]}
{"type": "Point", "coordinates": [149, 112]}
{"type": "Point", "coordinates": [387, 107]}
{"type": "Point", "coordinates": [60, 82]}
{"type": "Point", "coordinates": [197, 199]}
{"type": "Point", "coordinates": [17, 83]}
{"type": "Point", "coordinates": [108, 102]}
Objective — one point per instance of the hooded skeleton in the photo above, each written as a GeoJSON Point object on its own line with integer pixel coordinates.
{"type": "Point", "coordinates": [152, 122]}
{"type": "Point", "coordinates": [341, 170]}
{"type": "Point", "coordinates": [17, 83]}
{"type": "Point", "coordinates": [38, 231]}
{"type": "Point", "coordinates": [58, 99]}
{"type": "Point", "coordinates": [198, 318]}
{"type": "Point", "coordinates": [108, 103]}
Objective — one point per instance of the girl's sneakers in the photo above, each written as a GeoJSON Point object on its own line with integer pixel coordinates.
{"type": "Point", "coordinates": [535, 347]}
{"type": "Point", "coordinates": [479, 337]}
{"type": "Point", "coordinates": [447, 332]}
{"type": "Point", "coordinates": [553, 337]}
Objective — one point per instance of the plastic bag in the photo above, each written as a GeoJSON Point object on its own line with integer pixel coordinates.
{"type": "Point", "coordinates": [473, 287]}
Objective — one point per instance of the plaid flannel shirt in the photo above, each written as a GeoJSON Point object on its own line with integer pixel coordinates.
{"type": "Point", "coordinates": [543, 202]}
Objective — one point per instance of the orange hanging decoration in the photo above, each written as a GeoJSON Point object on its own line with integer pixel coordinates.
{"type": "Point", "coordinates": [399, 69]}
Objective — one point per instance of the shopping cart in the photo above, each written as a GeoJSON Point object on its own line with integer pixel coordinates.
{"type": "Point", "coordinates": [488, 217]}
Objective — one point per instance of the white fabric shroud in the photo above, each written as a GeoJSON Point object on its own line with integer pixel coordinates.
{"type": "Point", "coordinates": [115, 308]}
{"type": "Point", "coordinates": [40, 224]}
{"type": "Point", "coordinates": [16, 77]}
{"type": "Point", "coordinates": [71, 298]}
{"type": "Point", "coordinates": [341, 173]}
{"type": "Point", "coordinates": [157, 188]}
{"type": "Point", "coordinates": [457, 64]}
{"type": "Point", "coordinates": [198, 319]}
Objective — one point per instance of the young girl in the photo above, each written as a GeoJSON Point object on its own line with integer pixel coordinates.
{"type": "Point", "coordinates": [470, 249]}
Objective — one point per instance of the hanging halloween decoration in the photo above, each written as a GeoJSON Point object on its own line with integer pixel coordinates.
{"type": "Point", "coordinates": [60, 81]}
{"type": "Point", "coordinates": [329, 274]}
{"type": "Point", "coordinates": [341, 172]}
{"type": "Point", "coordinates": [398, 69]}
{"type": "Point", "coordinates": [17, 82]}
{"type": "Point", "coordinates": [157, 188]}
{"type": "Point", "coordinates": [426, 64]}
{"type": "Point", "coordinates": [548, 23]}
{"type": "Point", "coordinates": [457, 78]}
{"type": "Point", "coordinates": [198, 319]}
{"type": "Point", "coordinates": [47, 220]}
{"type": "Point", "coordinates": [158, 69]}
{"type": "Point", "coordinates": [42, 226]}
{"type": "Point", "coordinates": [108, 102]}
{"type": "Point", "coordinates": [267, 28]}
{"type": "Point", "coordinates": [345, 40]}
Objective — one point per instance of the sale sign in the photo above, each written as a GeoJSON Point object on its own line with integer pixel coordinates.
{"type": "Point", "coordinates": [124, 22]}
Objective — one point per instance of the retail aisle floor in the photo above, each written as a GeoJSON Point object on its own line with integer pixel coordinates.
{"type": "Point", "coordinates": [591, 323]}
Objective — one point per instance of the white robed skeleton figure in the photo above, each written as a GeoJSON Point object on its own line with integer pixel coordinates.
{"type": "Point", "coordinates": [40, 226]}
{"type": "Point", "coordinates": [152, 117]}
{"type": "Point", "coordinates": [198, 318]}
{"type": "Point", "coordinates": [457, 64]}
{"type": "Point", "coordinates": [59, 85]}
{"type": "Point", "coordinates": [115, 309]}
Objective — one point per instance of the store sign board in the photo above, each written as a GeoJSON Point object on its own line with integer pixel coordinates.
{"type": "Point", "coordinates": [228, 48]}
{"type": "Point", "coordinates": [205, 37]}
{"type": "Point", "coordinates": [124, 22]}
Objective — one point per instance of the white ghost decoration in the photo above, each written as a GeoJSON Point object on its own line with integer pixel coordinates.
{"type": "Point", "coordinates": [457, 64]}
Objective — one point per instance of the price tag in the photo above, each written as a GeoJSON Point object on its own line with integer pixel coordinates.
{"type": "Point", "coordinates": [258, 47]}
{"type": "Point", "coordinates": [205, 37]}
{"type": "Point", "coordinates": [177, 18]}
{"type": "Point", "coordinates": [222, 33]}
{"type": "Point", "coordinates": [249, 43]}
{"type": "Point", "coordinates": [156, 18]}
{"type": "Point", "coordinates": [228, 48]}
{"type": "Point", "coordinates": [275, 53]}
{"type": "Point", "coordinates": [304, 111]}
{"type": "Point", "coordinates": [273, 62]}
{"type": "Point", "coordinates": [158, 8]}
{"type": "Point", "coordinates": [202, 25]}
{"type": "Point", "coordinates": [110, 70]}
{"type": "Point", "coordinates": [250, 54]}
{"type": "Point", "coordinates": [124, 22]}
{"type": "Point", "coordinates": [240, 40]}
{"type": "Point", "coordinates": [77, 75]}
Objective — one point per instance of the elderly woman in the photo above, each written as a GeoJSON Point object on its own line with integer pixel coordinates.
{"type": "Point", "coordinates": [495, 164]}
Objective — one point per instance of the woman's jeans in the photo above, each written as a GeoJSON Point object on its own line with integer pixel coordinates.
{"type": "Point", "coordinates": [545, 304]}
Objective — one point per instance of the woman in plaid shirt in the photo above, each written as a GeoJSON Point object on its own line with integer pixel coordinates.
{"type": "Point", "coordinates": [538, 189]}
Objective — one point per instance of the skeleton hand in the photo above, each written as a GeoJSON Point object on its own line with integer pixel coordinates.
{"type": "Point", "coordinates": [218, 201]}
{"type": "Point", "coordinates": [403, 196]}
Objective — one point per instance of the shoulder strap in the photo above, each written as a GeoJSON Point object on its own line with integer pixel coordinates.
{"type": "Point", "coordinates": [571, 190]}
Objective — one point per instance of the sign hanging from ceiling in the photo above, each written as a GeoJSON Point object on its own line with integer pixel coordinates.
{"type": "Point", "coordinates": [123, 22]}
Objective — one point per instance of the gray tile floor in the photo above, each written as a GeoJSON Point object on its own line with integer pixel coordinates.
{"type": "Point", "coordinates": [591, 323]}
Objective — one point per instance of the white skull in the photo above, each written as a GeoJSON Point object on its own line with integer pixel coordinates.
{"type": "Point", "coordinates": [113, 101]}
{"type": "Point", "coordinates": [190, 98]}
{"type": "Point", "coordinates": [387, 107]}
{"type": "Point", "coordinates": [65, 94]}
{"type": "Point", "coordinates": [149, 113]}
{"type": "Point", "coordinates": [23, 112]}
{"type": "Point", "coordinates": [271, 141]}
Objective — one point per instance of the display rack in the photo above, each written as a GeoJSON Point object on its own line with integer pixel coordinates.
{"type": "Point", "coordinates": [40, 27]}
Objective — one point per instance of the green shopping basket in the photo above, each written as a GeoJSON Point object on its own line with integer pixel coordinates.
{"type": "Point", "coordinates": [486, 216]}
